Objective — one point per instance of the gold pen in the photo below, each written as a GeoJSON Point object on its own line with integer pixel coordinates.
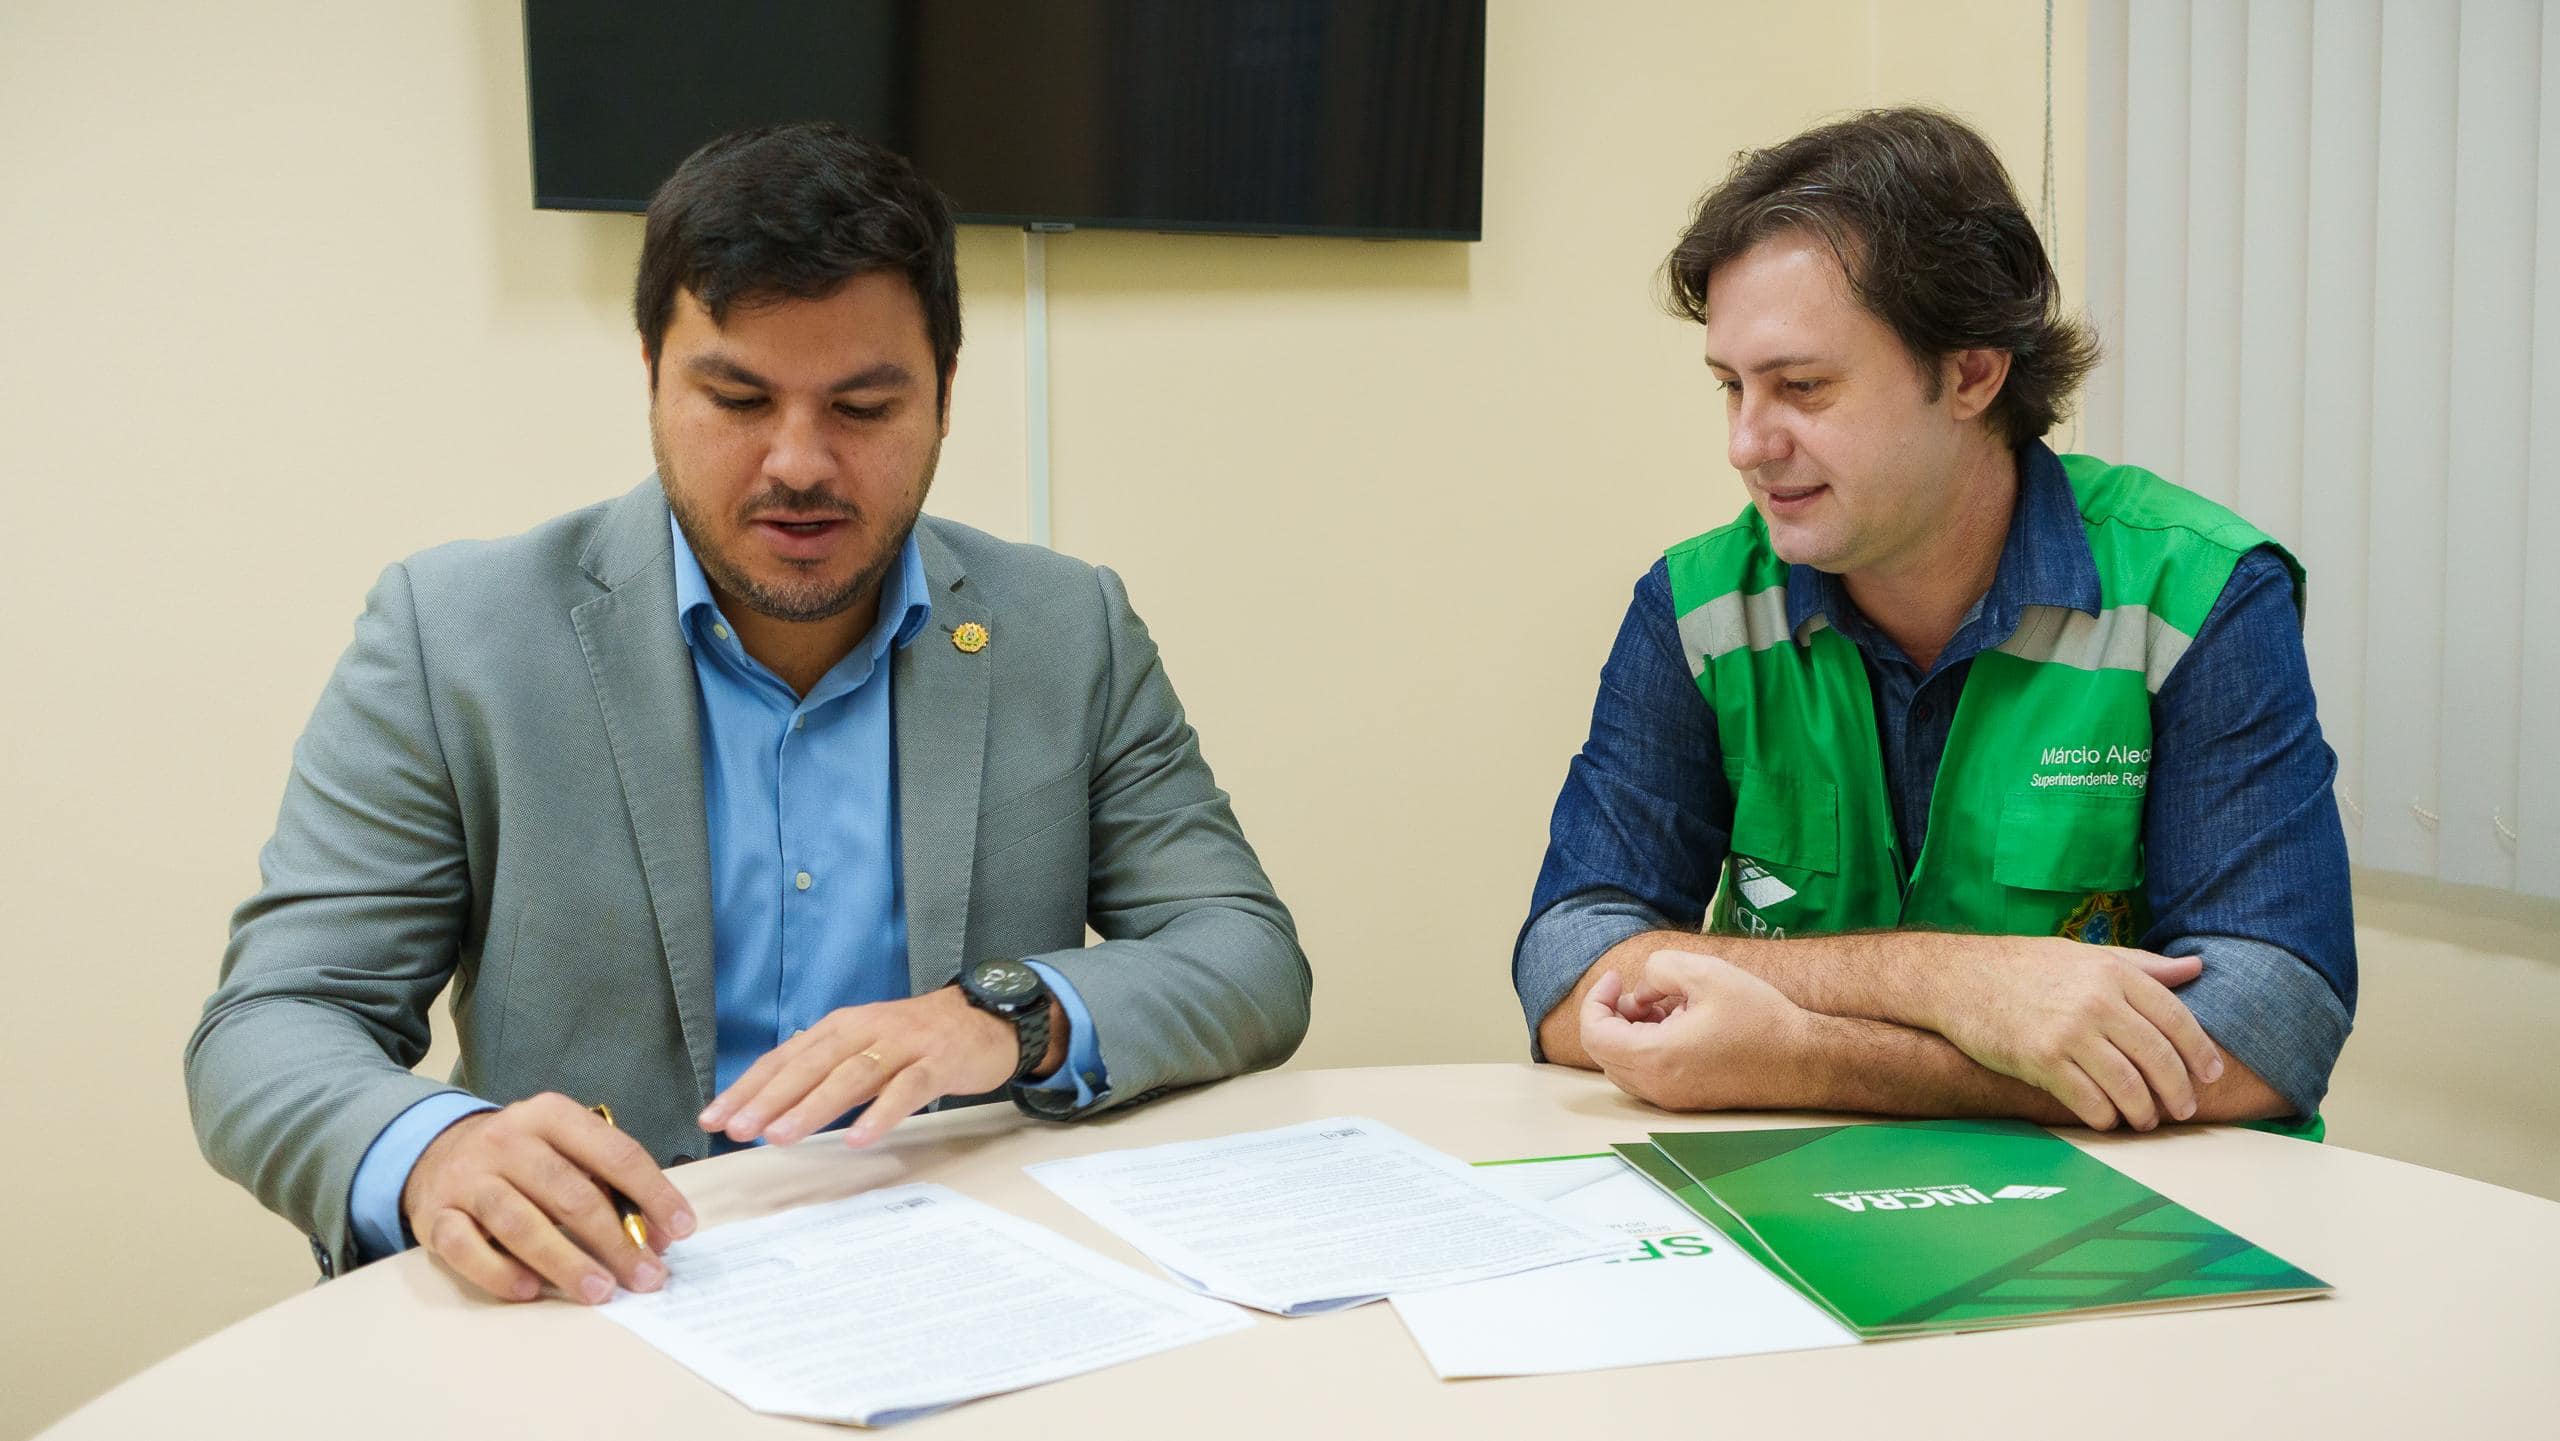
{"type": "Point", "coordinates": [634, 1225]}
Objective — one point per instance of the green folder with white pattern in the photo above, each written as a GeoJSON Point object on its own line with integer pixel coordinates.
{"type": "Point", "coordinates": [1901, 1228]}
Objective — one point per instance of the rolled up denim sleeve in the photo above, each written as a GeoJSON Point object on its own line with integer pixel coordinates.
{"type": "Point", "coordinates": [1641, 826]}
{"type": "Point", "coordinates": [2245, 854]}
{"type": "Point", "coordinates": [2263, 1005]}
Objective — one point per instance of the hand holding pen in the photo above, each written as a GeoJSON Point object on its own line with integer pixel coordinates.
{"type": "Point", "coordinates": [545, 1190]}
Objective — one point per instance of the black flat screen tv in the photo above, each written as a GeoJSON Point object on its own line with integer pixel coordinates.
{"type": "Point", "coordinates": [1306, 117]}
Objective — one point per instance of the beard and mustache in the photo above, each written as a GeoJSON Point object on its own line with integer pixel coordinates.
{"type": "Point", "coordinates": [805, 595]}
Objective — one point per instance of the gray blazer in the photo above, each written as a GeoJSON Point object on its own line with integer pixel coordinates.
{"type": "Point", "coordinates": [501, 790]}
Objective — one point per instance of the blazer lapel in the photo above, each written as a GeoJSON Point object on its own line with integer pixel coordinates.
{"type": "Point", "coordinates": [644, 684]}
{"type": "Point", "coordinates": [939, 694]}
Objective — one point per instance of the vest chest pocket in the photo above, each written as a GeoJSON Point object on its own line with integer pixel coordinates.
{"type": "Point", "coordinates": [1787, 821]}
{"type": "Point", "coordinates": [2072, 863]}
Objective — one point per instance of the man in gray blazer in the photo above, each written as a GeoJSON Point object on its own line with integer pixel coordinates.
{"type": "Point", "coordinates": [745, 801]}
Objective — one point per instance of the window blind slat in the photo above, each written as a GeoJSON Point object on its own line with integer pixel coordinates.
{"type": "Point", "coordinates": [2217, 108]}
{"type": "Point", "coordinates": [2155, 227]}
{"type": "Point", "coordinates": [2536, 819]}
{"type": "Point", "coordinates": [2487, 449]}
{"type": "Point", "coordinates": [2098, 427]}
{"type": "Point", "coordinates": [2274, 223]}
{"type": "Point", "coordinates": [2337, 374]}
{"type": "Point", "coordinates": [2413, 268]}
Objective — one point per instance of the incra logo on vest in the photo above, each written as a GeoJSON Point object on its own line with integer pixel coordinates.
{"type": "Point", "coordinates": [2133, 767]}
{"type": "Point", "coordinates": [1922, 1198]}
{"type": "Point", "coordinates": [1760, 890]}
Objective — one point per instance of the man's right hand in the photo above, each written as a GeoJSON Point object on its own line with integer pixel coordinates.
{"type": "Point", "coordinates": [2093, 1026]}
{"type": "Point", "coordinates": [516, 1197]}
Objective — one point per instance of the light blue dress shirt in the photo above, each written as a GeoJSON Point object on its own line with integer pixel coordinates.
{"type": "Point", "coordinates": [808, 903]}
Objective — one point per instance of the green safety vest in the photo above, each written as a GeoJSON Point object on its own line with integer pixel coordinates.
{"type": "Point", "coordinates": [2035, 822]}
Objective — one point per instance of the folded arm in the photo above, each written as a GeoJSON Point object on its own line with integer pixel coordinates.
{"type": "Point", "coordinates": [2050, 1030]}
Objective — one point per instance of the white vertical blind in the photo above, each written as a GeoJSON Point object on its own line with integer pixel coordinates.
{"type": "Point", "coordinates": [2538, 752]}
{"type": "Point", "coordinates": [2325, 255]}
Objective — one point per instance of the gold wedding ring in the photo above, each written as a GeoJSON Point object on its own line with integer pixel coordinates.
{"type": "Point", "coordinates": [873, 1057]}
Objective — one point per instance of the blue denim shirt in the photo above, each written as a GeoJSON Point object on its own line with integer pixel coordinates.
{"type": "Point", "coordinates": [2246, 862]}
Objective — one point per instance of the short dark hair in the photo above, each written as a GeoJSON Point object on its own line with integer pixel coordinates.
{"type": "Point", "coordinates": [795, 211]}
{"type": "Point", "coordinates": [1931, 236]}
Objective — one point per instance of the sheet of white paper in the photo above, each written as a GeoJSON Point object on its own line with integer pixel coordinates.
{"type": "Point", "coordinates": [900, 1301]}
{"type": "Point", "coordinates": [1675, 1291]}
{"type": "Point", "coordinates": [1316, 1217]}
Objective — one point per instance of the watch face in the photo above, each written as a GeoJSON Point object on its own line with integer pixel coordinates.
{"type": "Point", "coordinates": [1004, 980]}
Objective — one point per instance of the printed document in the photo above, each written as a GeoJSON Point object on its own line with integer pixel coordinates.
{"type": "Point", "coordinates": [1675, 1290]}
{"type": "Point", "coordinates": [898, 1302]}
{"type": "Point", "coordinates": [1317, 1217]}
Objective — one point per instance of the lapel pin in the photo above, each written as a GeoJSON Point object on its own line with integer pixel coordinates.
{"type": "Point", "coordinates": [970, 638]}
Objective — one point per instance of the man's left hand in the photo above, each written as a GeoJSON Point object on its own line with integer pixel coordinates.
{"type": "Point", "coordinates": [1693, 1033]}
{"type": "Point", "coordinates": [900, 1056]}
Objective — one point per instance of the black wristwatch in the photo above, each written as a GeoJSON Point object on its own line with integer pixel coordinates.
{"type": "Point", "coordinates": [1012, 991]}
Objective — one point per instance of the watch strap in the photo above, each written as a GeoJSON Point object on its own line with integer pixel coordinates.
{"type": "Point", "coordinates": [1031, 1029]}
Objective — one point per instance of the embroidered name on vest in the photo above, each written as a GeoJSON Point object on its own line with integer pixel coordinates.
{"type": "Point", "coordinates": [2134, 763]}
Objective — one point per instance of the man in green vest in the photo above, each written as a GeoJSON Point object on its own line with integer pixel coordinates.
{"type": "Point", "coordinates": [1954, 777]}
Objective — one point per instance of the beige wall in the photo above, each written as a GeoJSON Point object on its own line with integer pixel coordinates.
{"type": "Point", "coordinates": [279, 311]}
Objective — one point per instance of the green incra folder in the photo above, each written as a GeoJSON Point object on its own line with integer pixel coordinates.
{"type": "Point", "coordinates": [1906, 1227]}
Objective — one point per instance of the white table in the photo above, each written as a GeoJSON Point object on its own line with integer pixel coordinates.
{"type": "Point", "coordinates": [2446, 1320]}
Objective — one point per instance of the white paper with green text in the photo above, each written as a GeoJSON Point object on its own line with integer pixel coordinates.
{"type": "Point", "coordinates": [1676, 1290]}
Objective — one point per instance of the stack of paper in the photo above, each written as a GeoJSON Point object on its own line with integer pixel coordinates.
{"type": "Point", "coordinates": [1317, 1217]}
{"type": "Point", "coordinates": [1675, 1290]}
{"type": "Point", "coordinates": [1920, 1226]}
{"type": "Point", "coordinates": [897, 1302]}
{"type": "Point", "coordinates": [902, 1301]}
